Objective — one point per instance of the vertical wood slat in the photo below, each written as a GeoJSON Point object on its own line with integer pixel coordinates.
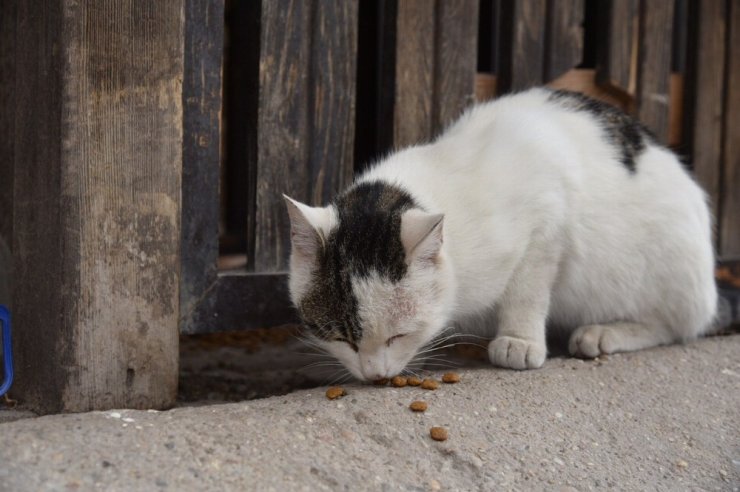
{"type": "Point", "coordinates": [528, 44]}
{"type": "Point", "coordinates": [98, 153]}
{"type": "Point", "coordinates": [7, 131]}
{"type": "Point", "coordinates": [414, 84]}
{"type": "Point", "coordinates": [456, 59]}
{"type": "Point", "coordinates": [7, 117]}
{"type": "Point", "coordinates": [565, 37]}
{"type": "Point", "coordinates": [730, 211]}
{"type": "Point", "coordinates": [306, 118]}
{"type": "Point", "coordinates": [708, 67]}
{"type": "Point", "coordinates": [436, 57]}
{"type": "Point", "coordinates": [618, 68]}
{"type": "Point", "coordinates": [654, 66]}
{"type": "Point", "coordinates": [204, 31]}
{"type": "Point", "coordinates": [38, 300]}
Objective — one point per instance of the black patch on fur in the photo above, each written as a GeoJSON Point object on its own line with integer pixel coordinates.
{"type": "Point", "coordinates": [367, 239]}
{"type": "Point", "coordinates": [624, 132]}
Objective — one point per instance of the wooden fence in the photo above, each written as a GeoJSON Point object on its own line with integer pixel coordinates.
{"type": "Point", "coordinates": [314, 90]}
{"type": "Point", "coordinates": [146, 146]}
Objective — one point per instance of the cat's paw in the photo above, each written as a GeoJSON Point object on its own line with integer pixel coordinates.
{"type": "Point", "coordinates": [591, 341]}
{"type": "Point", "coordinates": [516, 353]}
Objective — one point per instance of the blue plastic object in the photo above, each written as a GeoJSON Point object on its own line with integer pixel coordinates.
{"type": "Point", "coordinates": [7, 350]}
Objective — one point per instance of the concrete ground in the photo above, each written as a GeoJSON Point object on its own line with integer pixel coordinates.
{"type": "Point", "coordinates": [661, 419]}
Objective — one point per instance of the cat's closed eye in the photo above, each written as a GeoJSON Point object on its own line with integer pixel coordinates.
{"type": "Point", "coordinates": [352, 345]}
{"type": "Point", "coordinates": [395, 337]}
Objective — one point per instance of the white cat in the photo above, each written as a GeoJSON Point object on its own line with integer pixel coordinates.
{"type": "Point", "coordinates": [540, 207]}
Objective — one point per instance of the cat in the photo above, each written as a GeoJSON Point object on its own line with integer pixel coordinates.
{"type": "Point", "coordinates": [542, 207]}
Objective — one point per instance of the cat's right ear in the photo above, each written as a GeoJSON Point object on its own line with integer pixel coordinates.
{"type": "Point", "coordinates": [305, 227]}
{"type": "Point", "coordinates": [421, 235]}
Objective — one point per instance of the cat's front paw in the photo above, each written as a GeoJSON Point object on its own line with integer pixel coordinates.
{"type": "Point", "coordinates": [516, 353]}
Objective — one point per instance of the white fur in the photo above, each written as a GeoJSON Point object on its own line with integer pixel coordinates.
{"type": "Point", "coordinates": [543, 223]}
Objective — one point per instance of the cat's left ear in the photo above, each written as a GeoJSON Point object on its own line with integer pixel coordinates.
{"type": "Point", "coordinates": [307, 226]}
{"type": "Point", "coordinates": [421, 235]}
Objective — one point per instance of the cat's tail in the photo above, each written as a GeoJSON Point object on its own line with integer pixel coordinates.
{"type": "Point", "coordinates": [728, 312]}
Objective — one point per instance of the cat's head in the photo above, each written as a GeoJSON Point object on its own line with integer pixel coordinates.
{"type": "Point", "coordinates": [370, 277]}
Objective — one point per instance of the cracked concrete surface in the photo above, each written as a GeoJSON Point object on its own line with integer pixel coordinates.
{"type": "Point", "coordinates": [661, 419]}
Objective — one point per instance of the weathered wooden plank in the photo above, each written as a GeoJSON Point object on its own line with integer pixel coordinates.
{"type": "Point", "coordinates": [527, 44]}
{"type": "Point", "coordinates": [654, 67]}
{"type": "Point", "coordinates": [7, 116]}
{"type": "Point", "coordinates": [332, 105]}
{"type": "Point", "coordinates": [455, 59]}
{"type": "Point", "coordinates": [306, 114]}
{"type": "Point", "coordinates": [704, 121]}
{"type": "Point", "coordinates": [283, 126]}
{"type": "Point", "coordinates": [618, 67]}
{"type": "Point", "coordinates": [242, 302]}
{"type": "Point", "coordinates": [43, 356]}
{"type": "Point", "coordinates": [730, 212]}
{"type": "Point", "coordinates": [436, 56]}
{"type": "Point", "coordinates": [204, 30]}
{"type": "Point", "coordinates": [99, 153]}
{"type": "Point", "coordinates": [413, 120]}
{"type": "Point", "coordinates": [565, 37]}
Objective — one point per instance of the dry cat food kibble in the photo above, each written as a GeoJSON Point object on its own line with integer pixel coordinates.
{"type": "Point", "coordinates": [399, 381]}
{"type": "Point", "coordinates": [418, 406]}
{"type": "Point", "coordinates": [430, 384]}
{"type": "Point", "coordinates": [413, 381]}
{"type": "Point", "coordinates": [380, 382]}
{"type": "Point", "coordinates": [335, 392]}
{"type": "Point", "coordinates": [438, 433]}
{"type": "Point", "coordinates": [451, 377]}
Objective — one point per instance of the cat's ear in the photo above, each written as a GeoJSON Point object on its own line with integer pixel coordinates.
{"type": "Point", "coordinates": [421, 235]}
{"type": "Point", "coordinates": [306, 236]}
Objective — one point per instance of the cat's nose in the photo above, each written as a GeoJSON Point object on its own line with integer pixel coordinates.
{"type": "Point", "coordinates": [372, 370]}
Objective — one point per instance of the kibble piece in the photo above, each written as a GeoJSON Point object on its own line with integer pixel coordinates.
{"type": "Point", "coordinates": [335, 392]}
{"type": "Point", "coordinates": [418, 406]}
{"type": "Point", "coordinates": [380, 382]}
{"type": "Point", "coordinates": [399, 381]}
{"type": "Point", "coordinates": [438, 433]}
{"type": "Point", "coordinates": [413, 381]}
{"type": "Point", "coordinates": [430, 384]}
{"type": "Point", "coordinates": [451, 377]}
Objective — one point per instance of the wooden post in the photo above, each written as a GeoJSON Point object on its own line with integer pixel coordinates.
{"type": "Point", "coordinates": [7, 118]}
{"type": "Point", "coordinates": [436, 54]}
{"type": "Point", "coordinates": [305, 129]}
{"type": "Point", "coordinates": [654, 66]}
{"type": "Point", "coordinates": [98, 153]}
{"type": "Point", "coordinates": [706, 83]}
{"type": "Point", "coordinates": [565, 37]}
{"type": "Point", "coordinates": [618, 67]}
{"type": "Point", "coordinates": [729, 233]}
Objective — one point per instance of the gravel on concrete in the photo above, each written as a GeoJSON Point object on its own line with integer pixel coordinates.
{"type": "Point", "coordinates": [661, 419]}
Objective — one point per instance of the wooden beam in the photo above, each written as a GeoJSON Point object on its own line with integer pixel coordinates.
{"type": "Point", "coordinates": [97, 221]}
{"type": "Point", "coordinates": [204, 31]}
{"type": "Point", "coordinates": [730, 212]}
{"type": "Point", "coordinates": [414, 85]}
{"type": "Point", "coordinates": [456, 60]}
{"type": "Point", "coordinates": [564, 37]}
{"type": "Point", "coordinates": [306, 114]}
{"type": "Point", "coordinates": [706, 99]}
{"type": "Point", "coordinates": [7, 116]}
{"type": "Point", "coordinates": [528, 44]}
{"type": "Point", "coordinates": [618, 66]}
{"type": "Point", "coordinates": [654, 66]}
{"type": "Point", "coordinates": [241, 302]}
{"type": "Point", "coordinates": [436, 56]}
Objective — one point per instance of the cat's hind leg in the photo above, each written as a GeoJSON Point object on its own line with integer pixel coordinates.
{"type": "Point", "coordinates": [593, 340]}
